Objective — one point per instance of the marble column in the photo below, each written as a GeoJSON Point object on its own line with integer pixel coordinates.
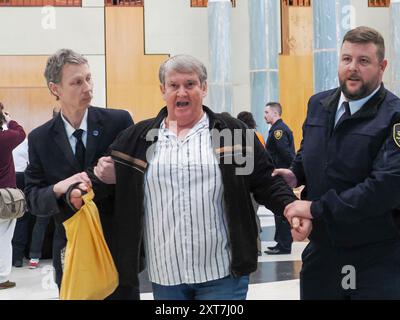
{"type": "Point", "coordinates": [394, 41]}
{"type": "Point", "coordinates": [331, 20]}
{"type": "Point", "coordinates": [264, 51]}
{"type": "Point", "coordinates": [219, 41]}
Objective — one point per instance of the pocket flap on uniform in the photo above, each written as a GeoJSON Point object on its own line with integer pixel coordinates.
{"type": "Point", "coordinates": [316, 122]}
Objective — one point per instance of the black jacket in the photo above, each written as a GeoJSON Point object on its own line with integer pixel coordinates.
{"type": "Point", "coordinates": [280, 144]}
{"type": "Point", "coordinates": [351, 172]}
{"type": "Point", "coordinates": [51, 160]}
{"type": "Point", "coordinates": [129, 153]}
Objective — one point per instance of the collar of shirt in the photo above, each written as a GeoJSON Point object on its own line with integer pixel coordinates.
{"type": "Point", "coordinates": [277, 122]}
{"type": "Point", "coordinates": [70, 130]}
{"type": "Point", "coordinates": [354, 105]}
{"type": "Point", "coordinates": [204, 122]}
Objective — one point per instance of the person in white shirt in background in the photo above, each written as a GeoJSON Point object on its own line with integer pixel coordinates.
{"type": "Point", "coordinates": [20, 239]}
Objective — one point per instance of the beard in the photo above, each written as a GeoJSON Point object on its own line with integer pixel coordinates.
{"type": "Point", "coordinates": [365, 90]}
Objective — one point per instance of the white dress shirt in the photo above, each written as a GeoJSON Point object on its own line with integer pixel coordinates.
{"type": "Point", "coordinates": [70, 130]}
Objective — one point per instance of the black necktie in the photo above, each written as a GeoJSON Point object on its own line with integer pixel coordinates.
{"type": "Point", "coordinates": [79, 148]}
{"type": "Point", "coordinates": [346, 113]}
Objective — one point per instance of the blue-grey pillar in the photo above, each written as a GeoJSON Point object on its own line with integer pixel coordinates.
{"type": "Point", "coordinates": [395, 42]}
{"type": "Point", "coordinates": [264, 50]}
{"type": "Point", "coordinates": [331, 20]}
{"type": "Point", "coordinates": [219, 39]}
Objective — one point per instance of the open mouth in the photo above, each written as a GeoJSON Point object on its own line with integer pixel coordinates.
{"type": "Point", "coordinates": [353, 82]}
{"type": "Point", "coordinates": [182, 104]}
{"type": "Point", "coordinates": [354, 79]}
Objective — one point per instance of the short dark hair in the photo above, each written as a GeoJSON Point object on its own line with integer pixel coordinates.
{"type": "Point", "coordinates": [247, 118]}
{"type": "Point", "coordinates": [226, 114]}
{"type": "Point", "coordinates": [367, 35]}
{"type": "Point", "coordinates": [2, 117]}
{"type": "Point", "coordinates": [55, 112]}
{"type": "Point", "coordinates": [276, 105]}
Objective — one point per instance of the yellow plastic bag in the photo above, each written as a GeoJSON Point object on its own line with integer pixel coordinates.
{"type": "Point", "coordinates": [89, 269]}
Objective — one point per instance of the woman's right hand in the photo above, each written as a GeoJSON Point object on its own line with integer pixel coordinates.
{"type": "Point", "coordinates": [7, 116]}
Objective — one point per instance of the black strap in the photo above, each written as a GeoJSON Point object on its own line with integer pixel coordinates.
{"type": "Point", "coordinates": [13, 209]}
{"type": "Point", "coordinates": [68, 195]}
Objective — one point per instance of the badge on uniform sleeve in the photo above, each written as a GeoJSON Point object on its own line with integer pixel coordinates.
{"type": "Point", "coordinates": [396, 134]}
{"type": "Point", "coordinates": [278, 134]}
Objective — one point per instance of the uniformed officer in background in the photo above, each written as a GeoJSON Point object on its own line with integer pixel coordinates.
{"type": "Point", "coordinates": [280, 145]}
{"type": "Point", "coordinates": [349, 161]}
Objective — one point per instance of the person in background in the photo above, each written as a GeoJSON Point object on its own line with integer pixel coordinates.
{"type": "Point", "coordinates": [280, 145]}
{"type": "Point", "coordinates": [21, 232]}
{"type": "Point", "coordinates": [248, 119]}
{"type": "Point", "coordinates": [9, 140]}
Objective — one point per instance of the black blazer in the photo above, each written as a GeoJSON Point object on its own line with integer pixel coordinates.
{"type": "Point", "coordinates": [51, 160]}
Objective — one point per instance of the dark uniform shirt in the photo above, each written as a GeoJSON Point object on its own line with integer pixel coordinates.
{"type": "Point", "coordinates": [280, 144]}
{"type": "Point", "coordinates": [351, 171]}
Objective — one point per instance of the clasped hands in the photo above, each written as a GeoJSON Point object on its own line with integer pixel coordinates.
{"type": "Point", "coordinates": [299, 216]}
{"type": "Point", "coordinates": [298, 213]}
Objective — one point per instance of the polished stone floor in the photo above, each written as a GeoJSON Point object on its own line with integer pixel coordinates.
{"type": "Point", "coordinates": [275, 279]}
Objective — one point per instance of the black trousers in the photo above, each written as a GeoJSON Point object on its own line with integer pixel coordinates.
{"type": "Point", "coordinates": [357, 273]}
{"type": "Point", "coordinates": [21, 233]}
{"type": "Point", "coordinates": [125, 293]}
{"type": "Point", "coordinates": [283, 236]}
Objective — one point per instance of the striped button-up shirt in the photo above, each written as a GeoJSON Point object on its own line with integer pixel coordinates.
{"type": "Point", "coordinates": [186, 237]}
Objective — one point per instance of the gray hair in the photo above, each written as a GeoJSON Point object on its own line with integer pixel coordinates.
{"type": "Point", "coordinates": [57, 61]}
{"type": "Point", "coordinates": [183, 63]}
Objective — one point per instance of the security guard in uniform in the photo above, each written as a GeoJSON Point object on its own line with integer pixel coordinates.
{"type": "Point", "coordinates": [280, 145]}
{"type": "Point", "coordinates": [349, 161]}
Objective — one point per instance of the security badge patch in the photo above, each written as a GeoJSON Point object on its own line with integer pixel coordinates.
{"type": "Point", "coordinates": [278, 134]}
{"type": "Point", "coordinates": [396, 134]}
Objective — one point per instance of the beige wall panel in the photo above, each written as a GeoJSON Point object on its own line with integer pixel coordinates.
{"type": "Point", "coordinates": [30, 107]}
{"type": "Point", "coordinates": [98, 69]}
{"type": "Point", "coordinates": [43, 30]}
{"type": "Point", "coordinates": [359, 14]}
{"type": "Point", "coordinates": [300, 31]}
{"type": "Point", "coordinates": [296, 87]}
{"type": "Point", "coordinates": [24, 92]}
{"type": "Point", "coordinates": [93, 3]}
{"type": "Point", "coordinates": [20, 71]}
{"type": "Point", "coordinates": [132, 76]}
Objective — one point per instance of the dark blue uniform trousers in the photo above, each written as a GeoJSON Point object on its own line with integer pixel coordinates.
{"type": "Point", "coordinates": [370, 271]}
